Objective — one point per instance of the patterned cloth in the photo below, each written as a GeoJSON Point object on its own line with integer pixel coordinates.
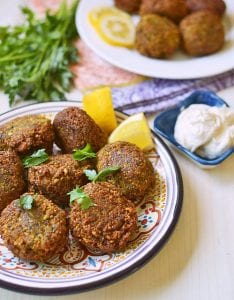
{"type": "Point", "coordinates": [158, 94]}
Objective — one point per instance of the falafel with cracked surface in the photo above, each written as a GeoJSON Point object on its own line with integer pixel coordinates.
{"type": "Point", "coordinates": [216, 6]}
{"type": "Point", "coordinates": [74, 128]}
{"type": "Point", "coordinates": [11, 177]}
{"type": "Point", "coordinates": [35, 234]}
{"type": "Point", "coordinates": [27, 134]}
{"type": "Point", "coordinates": [130, 6]}
{"type": "Point", "coordinates": [107, 226]}
{"type": "Point", "coordinates": [175, 10]}
{"type": "Point", "coordinates": [58, 176]}
{"type": "Point", "coordinates": [202, 33]}
{"type": "Point", "coordinates": [136, 173]}
{"type": "Point", "coordinates": [157, 36]}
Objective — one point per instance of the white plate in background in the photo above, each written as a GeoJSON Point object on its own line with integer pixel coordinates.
{"type": "Point", "coordinates": [179, 66]}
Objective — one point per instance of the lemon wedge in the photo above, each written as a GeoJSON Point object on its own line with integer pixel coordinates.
{"type": "Point", "coordinates": [114, 26]}
{"type": "Point", "coordinates": [99, 107]}
{"type": "Point", "coordinates": [134, 129]}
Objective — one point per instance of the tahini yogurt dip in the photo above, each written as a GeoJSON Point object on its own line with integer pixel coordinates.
{"type": "Point", "coordinates": [206, 130]}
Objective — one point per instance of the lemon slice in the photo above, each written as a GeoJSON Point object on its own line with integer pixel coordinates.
{"type": "Point", "coordinates": [113, 26]}
{"type": "Point", "coordinates": [134, 129]}
{"type": "Point", "coordinates": [117, 30]}
{"type": "Point", "coordinates": [99, 107]}
{"type": "Point", "coordinates": [95, 14]}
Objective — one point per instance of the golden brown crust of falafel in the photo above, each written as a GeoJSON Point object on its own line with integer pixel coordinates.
{"type": "Point", "coordinates": [175, 10]}
{"type": "Point", "coordinates": [202, 33]}
{"type": "Point", "coordinates": [74, 128]}
{"type": "Point", "coordinates": [27, 134]}
{"type": "Point", "coordinates": [136, 175]}
{"type": "Point", "coordinates": [58, 176]}
{"type": "Point", "coordinates": [157, 36]}
{"type": "Point", "coordinates": [216, 6]}
{"type": "Point", "coordinates": [12, 182]}
{"type": "Point", "coordinates": [107, 226]}
{"type": "Point", "coordinates": [130, 6]}
{"type": "Point", "coordinates": [35, 234]}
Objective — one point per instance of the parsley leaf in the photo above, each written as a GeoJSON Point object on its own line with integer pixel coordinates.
{"type": "Point", "coordinates": [35, 56]}
{"type": "Point", "coordinates": [78, 195]}
{"type": "Point", "coordinates": [91, 174]}
{"type": "Point", "coordinates": [37, 158]}
{"type": "Point", "coordinates": [26, 201]}
{"type": "Point", "coordinates": [84, 153]}
{"type": "Point", "coordinates": [101, 176]}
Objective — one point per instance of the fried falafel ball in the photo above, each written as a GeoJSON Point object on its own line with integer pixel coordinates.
{"type": "Point", "coordinates": [109, 224]}
{"type": "Point", "coordinates": [27, 134]}
{"type": "Point", "coordinates": [38, 233]}
{"type": "Point", "coordinates": [216, 6]}
{"type": "Point", "coordinates": [157, 36]}
{"type": "Point", "coordinates": [136, 173]}
{"type": "Point", "coordinates": [12, 182]}
{"type": "Point", "coordinates": [202, 33]}
{"type": "Point", "coordinates": [56, 177]}
{"type": "Point", "coordinates": [74, 128]}
{"type": "Point", "coordinates": [175, 10]}
{"type": "Point", "coordinates": [130, 6]}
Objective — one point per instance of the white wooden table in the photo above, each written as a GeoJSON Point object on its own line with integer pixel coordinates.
{"type": "Point", "coordinates": [197, 263]}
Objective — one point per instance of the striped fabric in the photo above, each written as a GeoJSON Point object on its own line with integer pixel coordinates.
{"type": "Point", "coordinates": [159, 94]}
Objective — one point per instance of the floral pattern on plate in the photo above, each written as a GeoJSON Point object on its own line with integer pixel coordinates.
{"type": "Point", "coordinates": [78, 267]}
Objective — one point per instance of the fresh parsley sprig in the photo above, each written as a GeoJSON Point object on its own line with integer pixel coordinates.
{"type": "Point", "coordinates": [35, 57]}
{"type": "Point", "coordinates": [37, 158]}
{"type": "Point", "coordinates": [26, 201]}
{"type": "Point", "coordinates": [102, 175]}
{"type": "Point", "coordinates": [83, 199]}
{"type": "Point", "coordinates": [84, 153]}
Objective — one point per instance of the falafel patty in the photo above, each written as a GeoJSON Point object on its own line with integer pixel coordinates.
{"type": "Point", "coordinates": [175, 10]}
{"type": "Point", "coordinates": [11, 177]}
{"type": "Point", "coordinates": [107, 226]}
{"type": "Point", "coordinates": [130, 6]}
{"type": "Point", "coordinates": [27, 134]}
{"type": "Point", "coordinates": [58, 176]}
{"type": "Point", "coordinates": [74, 128]}
{"type": "Point", "coordinates": [216, 6]}
{"type": "Point", "coordinates": [34, 234]}
{"type": "Point", "coordinates": [157, 36]}
{"type": "Point", "coordinates": [136, 174]}
{"type": "Point", "coordinates": [202, 33]}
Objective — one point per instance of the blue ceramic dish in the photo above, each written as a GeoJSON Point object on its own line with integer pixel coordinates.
{"type": "Point", "coordinates": [164, 125]}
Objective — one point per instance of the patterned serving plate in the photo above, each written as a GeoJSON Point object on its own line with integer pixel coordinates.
{"type": "Point", "coordinates": [78, 268]}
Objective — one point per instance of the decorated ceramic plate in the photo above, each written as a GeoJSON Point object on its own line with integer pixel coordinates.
{"type": "Point", "coordinates": [78, 268]}
{"type": "Point", "coordinates": [179, 66]}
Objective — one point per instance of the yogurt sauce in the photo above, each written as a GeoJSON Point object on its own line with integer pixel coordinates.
{"type": "Point", "coordinates": [206, 130]}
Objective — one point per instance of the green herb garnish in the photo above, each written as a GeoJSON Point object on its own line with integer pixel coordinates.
{"type": "Point", "coordinates": [26, 201]}
{"type": "Point", "coordinates": [101, 176]}
{"type": "Point", "coordinates": [35, 56]}
{"type": "Point", "coordinates": [37, 158]}
{"type": "Point", "coordinates": [79, 195]}
{"type": "Point", "coordinates": [84, 153]}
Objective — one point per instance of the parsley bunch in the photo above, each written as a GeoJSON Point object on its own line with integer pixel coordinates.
{"type": "Point", "coordinates": [35, 56]}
